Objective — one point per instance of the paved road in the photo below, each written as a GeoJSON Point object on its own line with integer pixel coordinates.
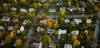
{"type": "Point", "coordinates": [67, 16]}
{"type": "Point", "coordinates": [94, 44]}
{"type": "Point", "coordinates": [31, 30]}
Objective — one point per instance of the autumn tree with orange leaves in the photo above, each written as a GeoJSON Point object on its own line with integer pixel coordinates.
{"type": "Point", "coordinates": [72, 23]}
{"type": "Point", "coordinates": [18, 42]}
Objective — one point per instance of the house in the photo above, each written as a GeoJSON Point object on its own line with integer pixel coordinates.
{"type": "Point", "coordinates": [18, 31]}
{"type": "Point", "coordinates": [43, 1]}
{"type": "Point", "coordinates": [5, 18]}
{"type": "Point", "coordinates": [86, 32]}
{"type": "Point", "coordinates": [81, 4]}
{"type": "Point", "coordinates": [10, 28]}
{"type": "Point", "coordinates": [67, 46]}
{"type": "Point", "coordinates": [61, 32]}
{"type": "Point", "coordinates": [2, 28]}
{"type": "Point", "coordinates": [77, 21]}
{"type": "Point", "coordinates": [15, 19]}
{"type": "Point", "coordinates": [50, 31]}
{"type": "Point", "coordinates": [82, 9]}
{"type": "Point", "coordinates": [62, 8]}
{"type": "Point", "coordinates": [52, 10]}
{"type": "Point", "coordinates": [23, 10]}
{"type": "Point", "coordinates": [88, 21]}
{"type": "Point", "coordinates": [60, 3]}
{"type": "Point", "coordinates": [66, 21]}
{"type": "Point", "coordinates": [75, 32]}
{"type": "Point", "coordinates": [51, 45]}
{"type": "Point", "coordinates": [13, 9]}
{"type": "Point", "coordinates": [24, 22]}
{"type": "Point", "coordinates": [38, 45]}
{"type": "Point", "coordinates": [2, 42]}
{"type": "Point", "coordinates": [22, 28]}
{"type": "Point", "coordinates": [43, 22]}
{"type": "Point", "coordinates": [5, 4]}
{"type": "Point", "coordinates": [40, 29]}
{"type": "Point", "coordinates": [72, 8]}
{"type": "Point", "coordinates": [31, 9]}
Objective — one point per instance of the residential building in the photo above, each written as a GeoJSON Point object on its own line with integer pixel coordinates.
{"type": "Point", "coordinates": [24, 22]}
{"type": "Point", "coordinates": [61, 32]}
{"type": "Point", "coordinates": [86, 32]}
{"type": "Point", "coordinates": [72, 8]}
{"type": "Point", "coordinates": [31, 9]}
{"type": "Point", "coordinates": [66, 21]}
{"type": "Point", "coordinates": [43, 1]}
{"type": "Point", "coordinates": [43, 22]}
{"type": "Point", "coordinates": [52, 10]}
{"type": "Point", "coordinates": [50, 31]}
{"type": "Point", "coordinates": [10, 28]}
{"type": "Point", "coordinates": [38, 45]}
{"type": "Point", "coordinates": [15, 19]}
{"type": "Point", "coordinates": [13, 9]}
{"type": "Point", "coordinates": [5, 18]}
{"type": "Point", "coordinates": [88, 21]}
{"type": "Point", "coordinates": [51, 45]}
{"type": "Point", "coordinates": [60, 3]}
{"type": "Point", "coordinates": [77, 21]}
{"type": "Point", "coordinates": [67, 46]}
{"type": "Point", "coordinates": [75, 32]}
{"type": "Point", "coordinates": [2, 28]}
{"type": "Point", "coordinates": [5, 4]}
{"type": "Point", "coordinates": [22, 28]}
{"type": "Point", "coordinates": [23, 10]}
{"type": "Point", "coordinates": [40, 29]}
{"type": "Point", "coordinates": [62, 8]}
{"type": "Point", "coordinates": [18, 31]}
{"type": "Point", "coordinates": [82, 9]}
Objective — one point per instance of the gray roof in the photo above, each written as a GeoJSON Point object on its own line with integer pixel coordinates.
{"type": "Point", "coordinates": [10, 28]}
{"type": "Point", "coordinates": [50, 31]}
{"type": "Point", "coordinates": [1, 28]}
{"type": "Point", "coordinates": [52, 10]}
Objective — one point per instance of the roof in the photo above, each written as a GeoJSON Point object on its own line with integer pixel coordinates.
{"type": "Point", "coordinates": [31, 9]}
{"type": "Point", "coordinates": [82, 9]}
{"type": "Point", "coordinates": [22, 28]}
{"type": "Point", "coordinates": [67, 46]}
{"type": "Point", "coordinates": [10, 28]}
{"type": "Point", "coordinates": [43, 1]}
{"type": "Point", "coordinates": [52, 10]}
{"type": "Point", "coordinates": [15, 19]}
{"type": "Point", "coordinates": [5, 4]}
{"type": "Point", "coordinates": [51, 45]}
{"type": "Point", "coordinates": [77, 21]}
{"type": "Point", "coordinates": [23, 10]}
{"type": "Point", "coordinates": [24, 22]}
{"type": "Point", "coordinates": [88, 21]}
{"type": "Point", "coordinates": [5, 18]}
{"type": "Point", "coordinates": [13, 9]}
{"type": "Point", "coordinates": [50, 31]}
{"type": "Point", "coordinates": [1, 28]}
{"type": "Point", "coordinates": [62, 31]}
{"type": "Point", "coordinates": [18, 31]}
{"type": "Point", "coordinates": [38, 45]}
{"type": "Point", "coordinates": [66, 20]}
{"type": "Point", "coordinates": [62, 8]}
{"type": "Point", "coordinates": [40, 29]}
{"type": "Point", "coordinates": [75, 32]}
{"type": "Point", "coordinates": [43, 22]}
{"type": "Point", "coordinates": [71, 8]}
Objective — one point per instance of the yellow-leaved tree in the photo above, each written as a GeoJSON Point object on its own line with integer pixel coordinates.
{"type": "Point", "coordinates": [50, 40]}
{"type": "Point", "coordinates": [49, 24]}
{"type": "Point", "coordinates": [76, 43]}
{"type": "Point", "coordinates": [18, 42]}
{"type": "Point", "coordinates": [55, 25]}
{"type": "Point", "coordinates": [74, 37]}
{"type": "Point", "coordinates": [72, 23]}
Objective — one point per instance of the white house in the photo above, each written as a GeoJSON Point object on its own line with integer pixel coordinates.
{"type": "Point", "coordinates": [31, 9]}
{"type": "Point", "coordinates": [10, 28]}
{"type": "Point", "coordinates": [67, 46]}
{"type": "Point", "coordinates": [51, 45]}
{"type": "Point", "coordinates": [43, 1]}
{"type": "Point", "coordinates": [38, 45]}
{"type": "Point", "coordinates": [5, 18]}
{"type": "Point", "coordinates": [82, 9]}
{"type": "Point", "coordinates": [40, 29]}
{"type": "Point", "coordinates": [77, 21]}
{"type": "Point", "coordinates": [18, 31]}
{"type": "Point", "coordinates": [23, 10]}
{"type": "Point", "coordinates": [13, 9]}
{"type": "Point", "coordinates": [15, 19]}
{"type": "Point", "coordinates": [24, 22]}
{"type": "Point", "coordinates": [72, 8]}
{"type": "Point", "coordinates": [2, 28]}
{"type": "Point", "coordinates": [52, 10]}
{"type": "Point", "coordinates": [88, 21]}
{"type": "Point", "coordinates": [22, 28]}
{"type": "Point", "coordinates": [43, 22]}
{"type": "Point", "coordinates": [50, 31]}
{"type": "Point", "coordinates": [62, 8]}
{"type": "Point", "coordinates": [61, 32]}
{"type": "Point", "coordinates": [75, 32]}
{"type": "Point", "coordinates": [5, 4]}
{"type": "Point", "coordinates": [66, 21]}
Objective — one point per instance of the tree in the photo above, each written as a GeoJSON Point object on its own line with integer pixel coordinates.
{"type": "Point", "coordinates": [21, 13]}
{"type": "Point", "coordinates": [22, 0]}
{"type": "Point", "coordinates": [1, 35]}
{"type": "Point", "coordinates": [39, 17]}
{"type": "Point", "coordinates": [61, 20]}
{"type": "Point", "coordinates": [39, 5]}
{"type": "Point", "coordinates": [56, 33]}
{"type": "Point", "coordinates": [16, 26]}
{"type": "Point", "coordinates": [69, 3]}
{"type": "Point", "coordinates": [78, 9]}
{"type": "Point", "coordinates": [11, 34]}
{"type": "Point", "coordinates": [76, 43]}
{"type": "Point", "coordinates": [18, 42]}
{"type": "Point", "coordinates": [43, 14]}
{"type": "Point", "coordinates": [50, 40]}
{"type": "Point", "coordinates": [28, 22]}
{"type": "Point", "coordinates": [74, 38]}
{"type": "Point", "coordinates": [31, 14]}
{"type": "Point", "coordinates": [88, 25]}
{"type": "Point", "coordinates": [49, 24]}
{"type": "Point", "coordinates": [63, 12]}
{"type": "Point", "coordinates": [35, 5]}
{"type": "Point", "coordinates": [55, 25]}
{"type": "Point", "coordinates": [45, 5]}
{"type": "Point", "coordinates": [46, 38]}
{"type": "Point", "coordinates": [8, 39]}
{"type": "Point", "coordinates": [12, 13]}
{"type": "Point", "coordinates": [72, 23]}
{"type": "Point", "coordinates": [96, 9]}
